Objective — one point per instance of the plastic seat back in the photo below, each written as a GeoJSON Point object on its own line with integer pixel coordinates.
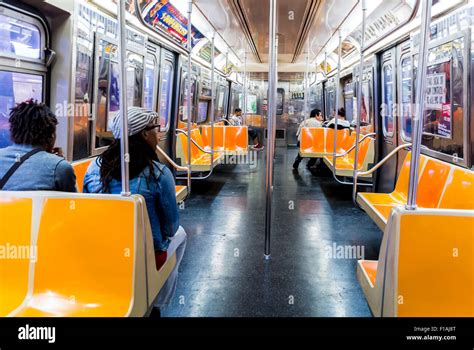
{"type": "Point", "coordinates": [80, 169]}
{"type": "Point", "coordinates": [15, 240]}
{"type": "Point", "coordinates": [218, 136]}
{"type": "Point", "coordinates": [236, 137]}
{"type": "Point", "coordinates": [431, 183]}
{"type": "Point", "coordinates": [435, 276]}
{"type": "Point", "coordinates": [86, 261]}
{"type": "Point", "coordinates": [313, 140]}
{"type": "Point", "coordinates": [459, 190]}
{"type": "Point", "coordinates": [341, 136]}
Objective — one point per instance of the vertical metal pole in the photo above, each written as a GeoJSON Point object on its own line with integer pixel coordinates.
{"type": "Point", "coordinates": [359, 90]}
{"type": "Point", "coordinates": [420, 104]}
{"type": "Point", "coordinates": [338, 91]}
{"type": "Point", "coordinates": [188, 82]}
{"type": "Point", "coordinates": [244, 103]}
{"type": "Point", "coordinates": [122, 63]}
{"type": "Point", "coordinates": [325, 78]}
{"type": "Point", "coordinates": [212, 99]}
{"type": "Point", "coordinates": [306, 87]}
{"type": "Point", "coordinates": [272, 91]}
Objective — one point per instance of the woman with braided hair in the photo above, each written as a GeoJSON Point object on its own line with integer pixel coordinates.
{"type": "Point", "coordinates": [33, 133]}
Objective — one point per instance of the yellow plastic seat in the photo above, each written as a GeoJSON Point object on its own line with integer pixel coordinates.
{"type": "Point", "coordinates": [86, 266]}
{"type": "Point", "coordinates": [431, 185]}
{"type": "Point", "coordinates": [218, 137]}
{"type": "Point", "coordinates": [231, 140]}
{"type": "Point", "coordinates": [18, 250]}
{"type": "Point", "coordinates": [425, 265]}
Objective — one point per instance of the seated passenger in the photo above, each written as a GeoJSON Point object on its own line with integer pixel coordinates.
{"type": "Point", "coordinates": [149, 178]}
{"type": "Point", "coordinates": [315, 120]}
{"type": "Point", "coordinates": [342, 123]}
{"type": "Point", "coordinates": [32, 163]}
{"type": "Point", "coordinates": [236, 120]}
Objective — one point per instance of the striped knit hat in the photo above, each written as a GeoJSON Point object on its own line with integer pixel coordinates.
{"type": "Point", "coordinates": [138, 119]}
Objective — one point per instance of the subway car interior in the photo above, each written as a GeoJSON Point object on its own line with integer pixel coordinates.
{"type": "Point", "coordinates": [319, 155]}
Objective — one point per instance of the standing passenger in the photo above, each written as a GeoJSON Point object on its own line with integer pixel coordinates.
{"type": "Point", "coordinates": [32, 163]}
{"type": "Point", "coordinates": [149, 178]}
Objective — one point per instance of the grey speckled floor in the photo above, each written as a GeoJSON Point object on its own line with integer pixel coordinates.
{"type": "Point", "coordinates": [223, 273]}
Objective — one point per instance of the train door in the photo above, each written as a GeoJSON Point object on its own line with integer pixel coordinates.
{"type": "Point", "coordinates": [389, 136]}
{"type": "Point", "coordinates": [405, 98]}
{"type": "Point", "coordinates": [165, 99]}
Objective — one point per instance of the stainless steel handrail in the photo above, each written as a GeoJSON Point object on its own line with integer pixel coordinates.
{"type": "Point", "coordinates": [177, 167]}
{"type": "Point", "coordinates": [352, 147]}
{"type": "Point", "coordinates": [374, 168]}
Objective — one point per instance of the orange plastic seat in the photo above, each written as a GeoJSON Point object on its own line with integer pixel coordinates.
{"type": "Point", "coordinates": [341, 136]}
{"type": "Point", "coordinates": [181, 193]}
{"type": "Point", "coordinates": [313, 142]}
{"type": "Point", "coordinates": [459, 190]}
{"type": "Point", "coordinates": [431, 184]}
{"type": "Point", "coordinates": [231, 140]}
{"type": "Point", "coordinates": [345, 164]}
{"type": "Point", "coordinates": [85, 266]}
{"type": "Point", "coordinates": [15, 228]}
{"type": "Point", "coordinates": [421, 271]}
{"type": "Point", "coordinates": [200, 161]}
{"type": "Point", "coordinates": [80, 169]}
{"type": "Point", "coordinates": [236, 140]}
{"type": "Point", "coordinates": [218, 137]}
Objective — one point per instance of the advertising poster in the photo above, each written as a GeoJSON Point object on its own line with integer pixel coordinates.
{"type": "Point", "coordinates": [444, 125]}
{"type": "Point", "coordinates": [164, 16]}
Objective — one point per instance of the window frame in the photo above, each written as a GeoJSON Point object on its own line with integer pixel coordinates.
{"type": "Point", "coordinates": [385, 131]}
{"type": "Point", "coordinates": [38, 22]}
{"type": "Point", "coordinates": [406, 55]}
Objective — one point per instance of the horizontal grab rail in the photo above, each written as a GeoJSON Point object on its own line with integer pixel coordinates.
{"type": "Point", "coordinates": [177, 167]}
{"type": "Point", "coordinates": [383, 161]}
{"type": "Point", "coordinates": [194, 142]}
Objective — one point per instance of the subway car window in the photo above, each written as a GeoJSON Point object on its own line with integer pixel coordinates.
{"type": "Point", "coordinates": [15, 88]}
{"type": "Point", "coordinates": [149, 88]}
{"type": "Point", "coordinates": [406, 98]}
{"type": "Point", "coordinates": [20, 38]}
{"type": "Point", "coordinates": [349, 101]}
{"type": "Point", "coordinates": [135, 79]}
{"type": "Point", "coordinates": [444, 105]}
{"type": "Point", "coordinates": [166, 97]}
{"type": "Point", "coordinates": [107, 93]}
{"type": "Point", "coordinates": [388, 99]}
